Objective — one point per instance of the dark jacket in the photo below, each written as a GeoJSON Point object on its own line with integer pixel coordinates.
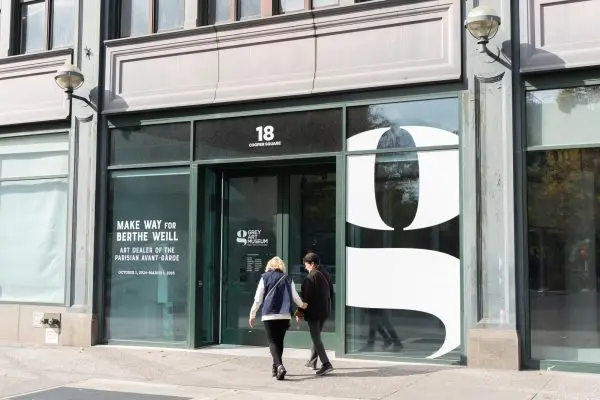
{"type": "Point", "coordinates": [278, 293]}
{"type": "Point", "coordinates": [317, 291]}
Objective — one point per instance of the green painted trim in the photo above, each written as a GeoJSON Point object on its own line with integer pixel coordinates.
{"type": "Point", "coordinates": [340, 242]}
{"type": "Point", "coordinates": [521, 242]}
{"type": "Point", "coordinates": [192, 243]}
{"type": "Point", "coordinates": [252, 161]}
{"type": "Point", "coordinates": [283, 217]}
{"type": "Point", "coordinates": [403, 150]}
{"type": "Point", "coordinates": [563, 147]}
{"type": "Point", "coordinates": [149, 165]}
{"type": "Point", "coordinates": [461, 225]}
{"type": "Point", "coordinates": [145, 172]}
{"type": "Point", "coordinates": [561, 79]}
{"type": "Point", "coordinates": [192, 140]}
{"type": "Point", "coordinates": [272, 111]}
{"type": "Point", "coordinates": [128, 120]}
{"type": "Point", "coordinates": [100, 231]}
{"type": "Point", "coordinates": [220, 191]}
{"type": "Point", "coordinates": [278, 106]}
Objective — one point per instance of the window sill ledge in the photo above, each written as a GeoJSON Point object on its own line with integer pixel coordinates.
{"type": "Point", "coordinates": [41, 55]}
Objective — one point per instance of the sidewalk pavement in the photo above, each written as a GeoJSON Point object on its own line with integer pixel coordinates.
{"type": "Point", "coordinates": [221, 372]}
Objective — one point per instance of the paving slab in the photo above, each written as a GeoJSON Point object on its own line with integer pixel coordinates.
{"type": "Point", "coordinates": [235, 372]}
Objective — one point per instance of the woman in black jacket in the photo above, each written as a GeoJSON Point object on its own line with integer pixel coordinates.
{"type": "Point", "coordinates": [317, 291]}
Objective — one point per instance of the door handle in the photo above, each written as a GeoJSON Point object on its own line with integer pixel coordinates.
{"type": "Point", "coordinates": [200, 283]}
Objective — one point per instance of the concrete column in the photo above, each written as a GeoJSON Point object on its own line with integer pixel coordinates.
{"type": "Point", "coordinates": [493, 341]}
{"type": "Point", "coordinates": [79, 326]}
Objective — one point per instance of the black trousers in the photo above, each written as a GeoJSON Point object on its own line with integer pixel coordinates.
{"type": "Point", "coordinates": [318, 349]}
{"type": "Point", "coordinates": [276, 329]}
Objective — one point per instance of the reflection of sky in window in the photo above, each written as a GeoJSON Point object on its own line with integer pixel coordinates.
{"type": "Point", "coordinates": [438, 113]}
{"type": "Point", "coordinates": [544, 96]}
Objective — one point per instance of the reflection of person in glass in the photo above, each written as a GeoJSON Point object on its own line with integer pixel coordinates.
{"type": "Point", "coordinates": [317, 290]}
{"type": "Point", "coordinates": [277, 294]}
{"type": "Point", "coordinates": [379, 322]}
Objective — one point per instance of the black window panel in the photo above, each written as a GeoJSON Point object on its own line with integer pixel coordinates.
{"type": "Point", "coordinates": [150, 144]}
{"type": "Point", "coordinates": [269, 135]}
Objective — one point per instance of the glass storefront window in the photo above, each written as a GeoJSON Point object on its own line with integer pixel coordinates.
{"type": "Point", "coordinates": [563, 223]}
{"type": "Point", "coordinates": [33, 240]}
{"type": "Point", "coordinates": [560, 117]}
{"type": "Point", "coordinates": [304, 132]}
{"type": "Point", "coordinates": [412, 265]}
{"type": "Point", "coordinates": [406, 122]}
{"type": "Point", "coordinates": [33, 218]}
{"type": "Point", "coordinates": [563, 189]}
{"type": "Point", "coordinates": [147, 256]}
{"type": "Point", "coordinates": [403, 236]}
{"type": "Point", "coordinates": [150, 144]}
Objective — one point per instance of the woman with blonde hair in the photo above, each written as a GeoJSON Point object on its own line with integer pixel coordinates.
{"type": "Point", "coordinates": [277, 294]}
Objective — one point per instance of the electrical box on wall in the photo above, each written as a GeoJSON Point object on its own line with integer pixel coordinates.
{"type": "Point", "coordinates": [51, 320]}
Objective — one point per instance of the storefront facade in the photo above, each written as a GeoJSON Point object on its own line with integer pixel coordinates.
{"type": "Point", "coordinates": [449, 191]}
{"type": "Point", "coordinates": [208, 177]}
{"type": "Point", "coordinates": [191, 227]}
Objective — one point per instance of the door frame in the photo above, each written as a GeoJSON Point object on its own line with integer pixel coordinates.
{"type": "Point", "coordinates": [294, 339]}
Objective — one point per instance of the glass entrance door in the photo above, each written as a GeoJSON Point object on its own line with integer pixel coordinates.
{"type": "Point", "coordinates": [251, 237]}
{"type": "Point", "coordinates": [286, 212]}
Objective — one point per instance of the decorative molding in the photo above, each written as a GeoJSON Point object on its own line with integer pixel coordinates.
{"type": "Point", "coordinates": [287, 55]}
{"type": "Point", "coordinates": [549, 42]}
{"type": "Point", "coordinates": [46, 102]}
{"type": "Point", "coordinates": [177, 72]}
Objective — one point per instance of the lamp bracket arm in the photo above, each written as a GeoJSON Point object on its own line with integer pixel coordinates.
{"type": "Point", "coordinates": [494, 56]}
{"type": "Point", "coordinates": [71, 95]}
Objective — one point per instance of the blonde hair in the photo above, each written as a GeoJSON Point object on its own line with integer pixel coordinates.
{"type": "Point", "coordinates": [275, 263]}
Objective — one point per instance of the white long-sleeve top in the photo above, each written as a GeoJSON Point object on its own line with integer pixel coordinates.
{"type": "Point", "coordinates": [260, 295]}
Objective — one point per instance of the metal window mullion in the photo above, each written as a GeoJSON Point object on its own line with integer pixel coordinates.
{"type": "Point", "coordinates": [35, 178]}
{"type": "Point", "coordinates": [402, 150]}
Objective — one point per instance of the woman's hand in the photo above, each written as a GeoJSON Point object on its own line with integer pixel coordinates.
{"type": "Point", "coordinates": [304, 306]}
{"type": "Point", "coordinates": [251, 322]}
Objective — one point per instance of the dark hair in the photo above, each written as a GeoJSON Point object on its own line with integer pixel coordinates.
{"type": "Point", "coordinates": [311, 258]}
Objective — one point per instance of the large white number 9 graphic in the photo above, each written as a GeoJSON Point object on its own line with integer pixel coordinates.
{"type": "Point", "coordinates": [412, 279]}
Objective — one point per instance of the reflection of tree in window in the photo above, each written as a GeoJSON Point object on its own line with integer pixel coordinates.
{"type": "Point", "coordinates": [569, 98]}
{"type": "Point", "coordinates": [563, 216]}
